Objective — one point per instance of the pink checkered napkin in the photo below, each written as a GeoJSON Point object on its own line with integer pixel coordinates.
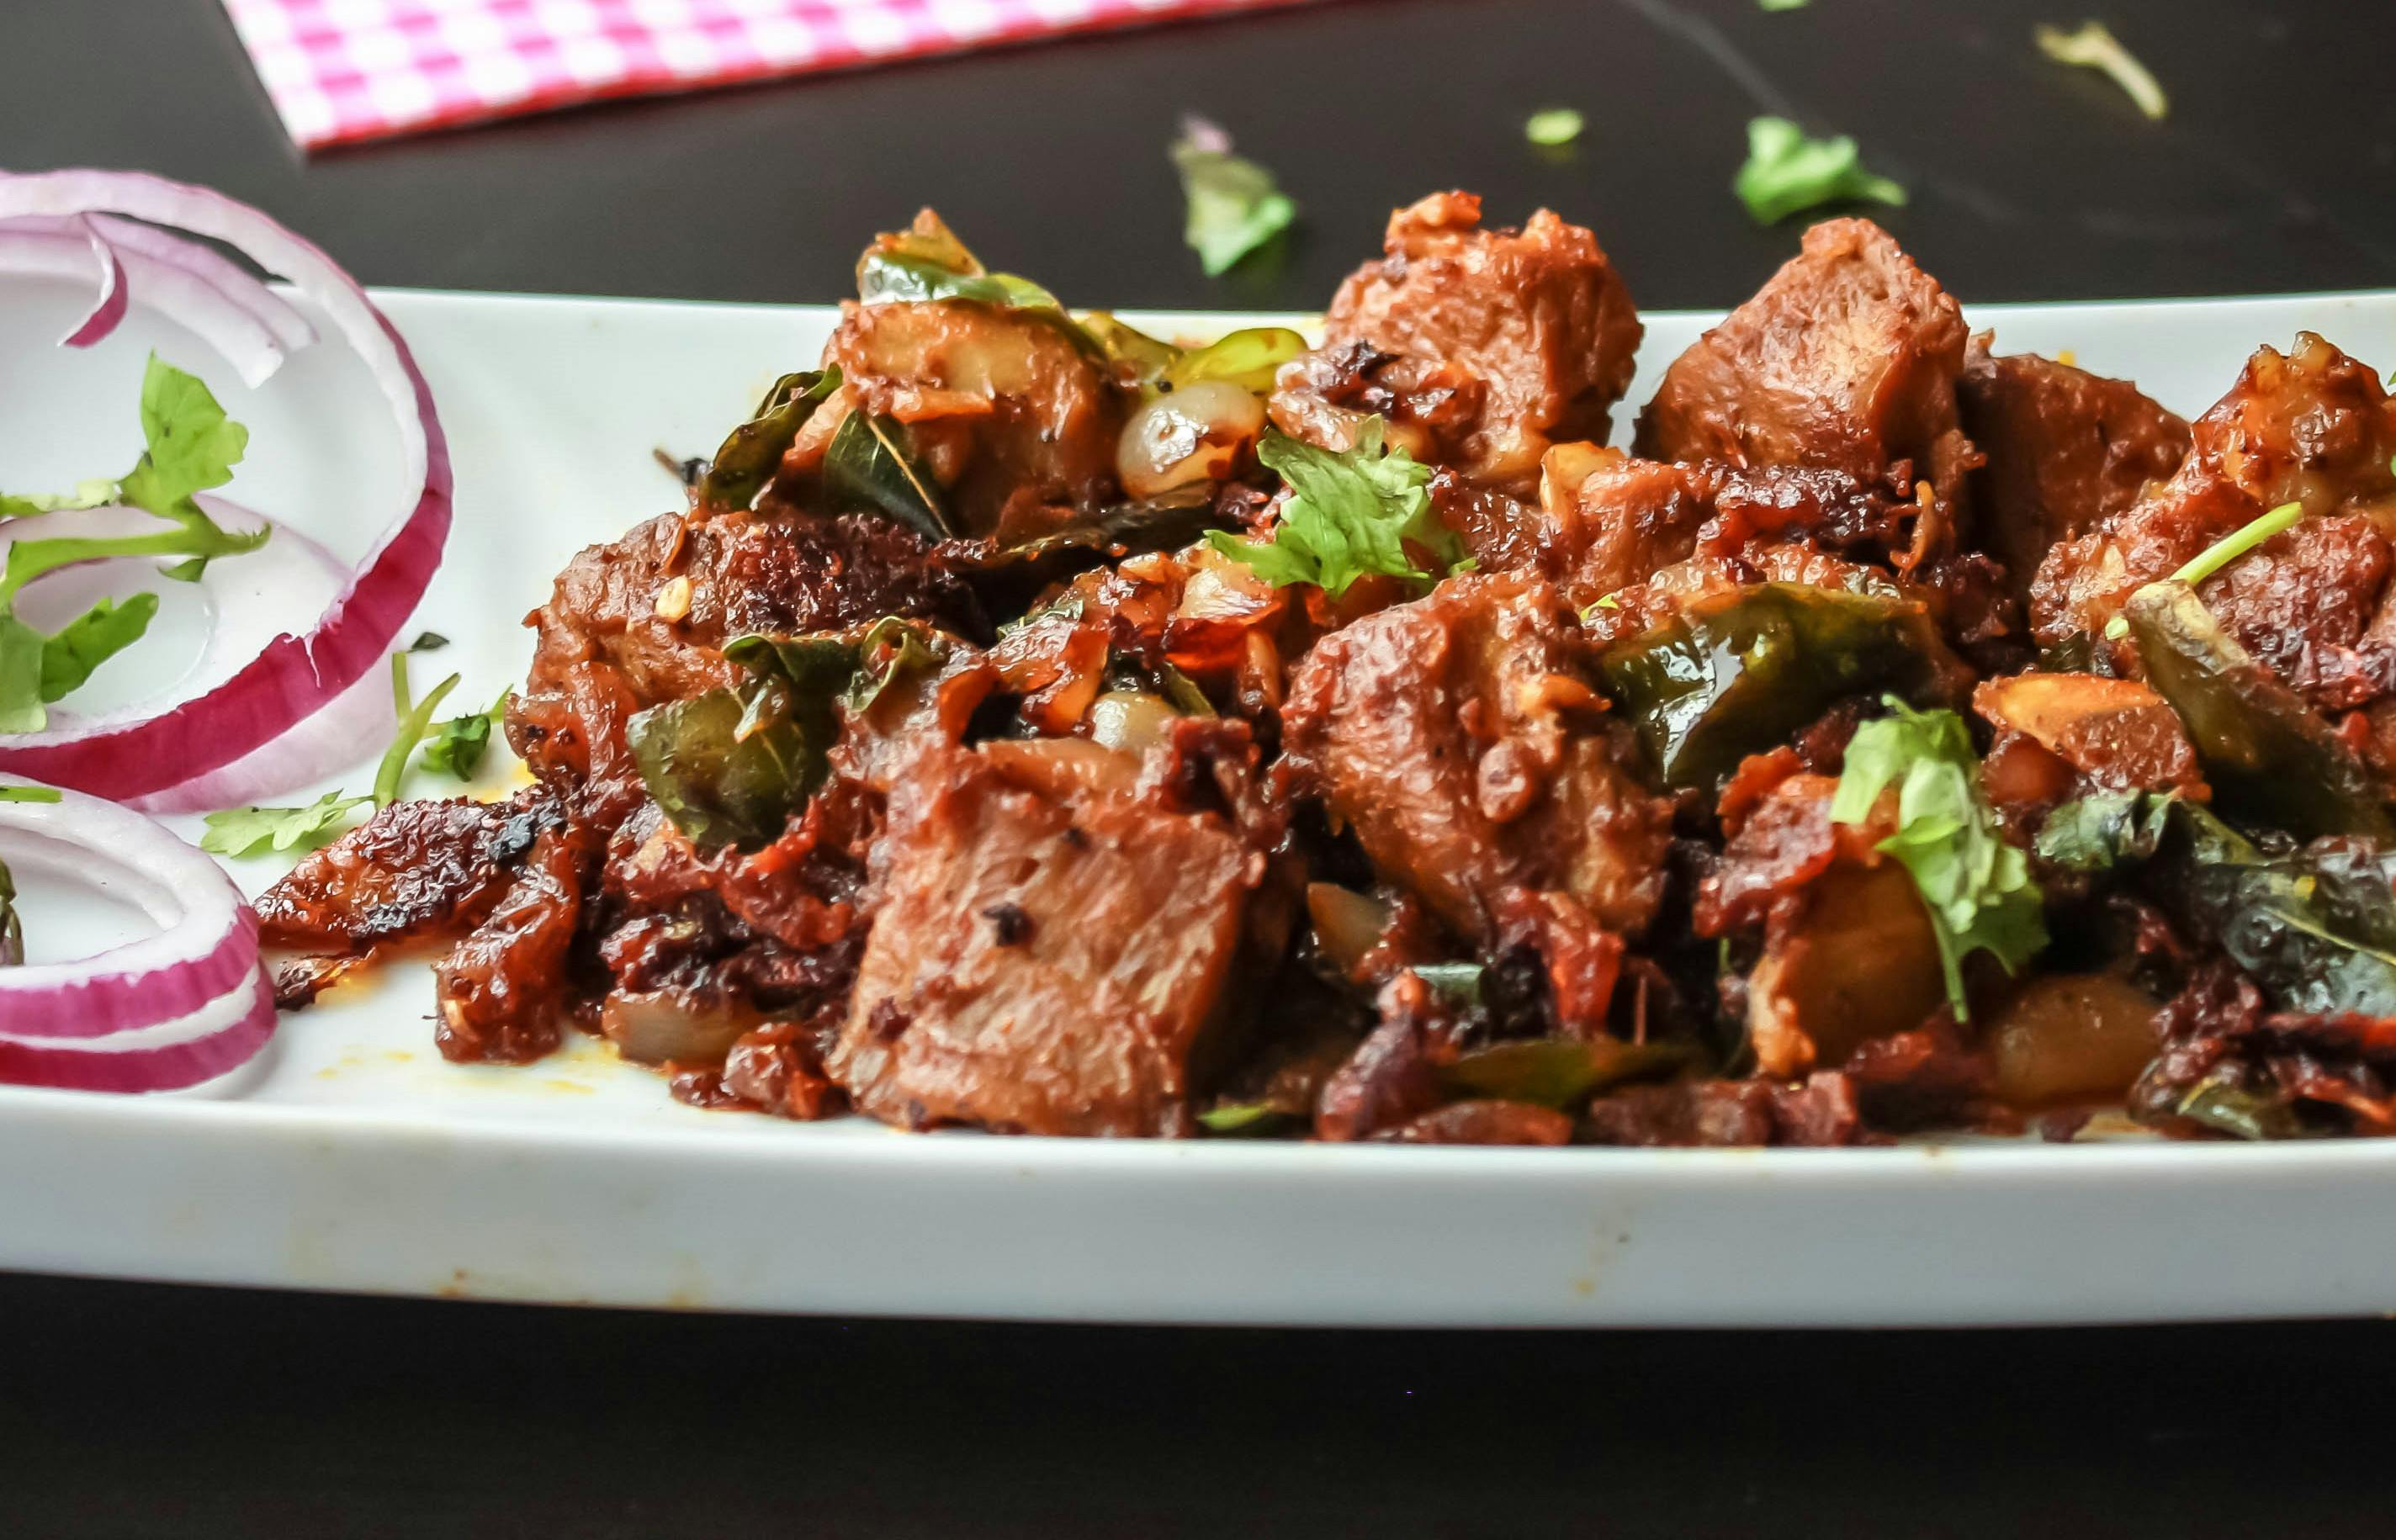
{"type": "Point", "coordinates": [341, 71]}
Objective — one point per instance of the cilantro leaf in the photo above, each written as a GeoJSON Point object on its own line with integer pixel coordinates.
{"type": "Point", "coordinates": [1976, 886]}
{"type": "Point", "coordinates": [91, 639]}
{"type": "Point", "coordinates": [255, 831]}
{"type": "Point", "coordinates": [192, 444]}
{"type": "Point", "coordinates": [1786, 172]}
{"type": "Point", "coordinates": [456, 746]}
{"type": "Point", "coordinates": [87, 494]}
{"type": "Point", "coordinates": [1235, 206]}
{"type": "Point", "coordinates": [1346, 514]}
{"type": "Point", "coordinates": [21, 649]}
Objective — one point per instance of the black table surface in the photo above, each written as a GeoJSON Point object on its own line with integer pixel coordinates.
{"type": "Point", "coordinates": [132, 1409]}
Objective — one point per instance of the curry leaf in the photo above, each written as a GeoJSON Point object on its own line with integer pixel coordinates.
{"type": "Point", "coordinates": [868, 468]}
{"type": "Point", "coordinates": [1347, 514]}
{"type": "Point", "coordinates": [1234, 204]}
{"type": "Point", "coordinates": [746, 461]}
{"type": "Point", "coordinates": [1786, 172]}
{"type": "Point", "coordinates": [1976, 886]}
{"type": "Point", "coordinates": [2106, 830]}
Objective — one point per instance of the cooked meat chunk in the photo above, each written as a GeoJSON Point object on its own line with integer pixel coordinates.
{"type": "Point", "coordinates": [1848, 358]}
{"type": "Point", "coordinates": [414, 871]}
{"type": "Point", "coordinates": [2066, 450]}
{"type": "Point", "coordinates": [1848, 952]}
{"type": "Point", "coordinates": [1457, 736]}
{"type": "Point", "coordinates": [2116, 733]}
{"type": "Point", "coordinates": [2312, 426]}
{"type": "Point", "coordinates": [658, 604]}
{"type": "Point", "coordinates": [1045, 961]}
{"type": "Point", "coordinates": [500, 992]}
{"type": "Point", "coordinates": [1493, 343]}
{"type": "Point", "coordinates": [1015, 420]}
{"type": "Point", "coordinates": [1605, 520]}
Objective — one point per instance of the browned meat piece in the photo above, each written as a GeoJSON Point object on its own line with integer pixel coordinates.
{"type": "Point", "coordinates": [1014, 419]}
{"type": "Point", "coordinates": [1457, 736]}
{"type": "Point", "coordinates": [2312, 426]}
{"type": "Point", "coordinates": [1484, 1122]}
{"type": "Point", "coordinates": [1393, 1076]}
{"type": "Point", "coordinates": [570, 733]}
{"type": "Point", "coordinates": [1492, 343]}
{"type": "Point", "coordinates": [1847, 359]}
{"type": "Point", "coordinates": [658, 604]}
{"type": "Point", "coordinates": [1045, 961]}
{"type": "Point", "coordinates": [2116, 733]}
{"type": "Point", "coordinates": [1820, 1110]}
{"type": "Point", "coordinates": [501, 994]}
{"type": "Point", "coordinates": [1848, 952]}
{"type": "Point", "coordinates": [416, 871]}
{"type": "Point", "coordinates": [1606, 521]}
{"type": "Point", "coordinates": [2066, 451]}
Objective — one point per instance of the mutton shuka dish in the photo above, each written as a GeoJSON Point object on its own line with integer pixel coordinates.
{"type": "Point", "coordinates": [1035, 726]}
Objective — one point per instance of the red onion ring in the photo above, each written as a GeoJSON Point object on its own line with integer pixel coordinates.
{"type": "Point", "coordinates": [238, 317]}
{"type": "Point", "coordinates": [289, 573]}
{"type": "Point", "coordinates": [167, 1055]}
{"type": "Point", "coordinates": [111, 309]}
{"type": "Point", "coordinates": [204, 950]}
{"type": "Point", "coordinates": [135, 753]}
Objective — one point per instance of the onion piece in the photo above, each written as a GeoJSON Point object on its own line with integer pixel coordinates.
{"type": "Point", "coordinates": [111, 309]}
{"type": "Point", "coordinates": [240, 318]}
{"type": "Point", "coordinates": [127, 754]}
{"type": "Point", "coordinates": [167, 1055]}
{"type": "Point", "coordinates": [205, 947]}
{"type": "Point", "coordinates": [289, 573]}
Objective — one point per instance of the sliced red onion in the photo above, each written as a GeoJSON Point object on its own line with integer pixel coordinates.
{"type": "Point", "coordinates": [111, 309]}
{"type": "Point", "coordinates": [250, 324]}
{"type": "Point", "coordinates": [289, 574]}
{"type": "Point", "coordinates": [134, 753]}
{"type": "Point", "coordinates": [219, 1037]}
{"type": "Point", "coordinates": [205, 949]}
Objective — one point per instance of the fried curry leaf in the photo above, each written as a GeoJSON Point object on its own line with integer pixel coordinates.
{"type": "Point", "coordinates": [746, 461]}
{"type": "Point", "coordinates": [891, 650]}
{"type": "Point", "coordinates": [1347, 514]}
{"type": "Point", "coordinates": [2316, 929]}
{"type": "Point", "coordinates": [869, 469]}
{"type": "Point", "coordinates": [2107, 829]}
{"type": "Point", "coordinates": [732, 766]}
{"type": "Point", "coordinates": [2270, 758]}
{"type": "Point", "coordinates": [255, 831]}
{"type": "Point", "coordinates": [1976, 886]}
{"type": "Point", "coordinates": [1737, 673]}
{"type": "Point", "coordinates": [728, 767]}
{"type": "Point", "coordinates": [1234, 204]}
{"type": "Point", "coordinates": [926, 262]}
{"type": "Point", "coordinates": [1786, 172]}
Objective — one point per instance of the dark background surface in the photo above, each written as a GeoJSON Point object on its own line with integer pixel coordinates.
{"type": "Point", "coordinates": [138, 1410]}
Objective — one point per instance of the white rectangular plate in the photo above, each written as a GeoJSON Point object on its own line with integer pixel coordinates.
{"type": "Point", "coordinates": [353, 1158]}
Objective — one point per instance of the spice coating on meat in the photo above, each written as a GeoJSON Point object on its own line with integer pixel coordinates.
{"type": "Point", "coordinates": [1497, 343]}
{"type": "Point", "coordinates": [658, 603]}
{"type": "Point", "coordinates": [1041, 963]}
{"type": "Point", "coordinates": [2312, 426]}
{"type": "Point", "coordinates": [1848, 358]}
{"type": "Point", "coordinates": [414, 871]}
{"type": "Point", "coordinates": [2066, 451]}
{"type": "Point", "coordinates": [1015, 419]}
{"type": "Point", "coordinates": [1459, 737]}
